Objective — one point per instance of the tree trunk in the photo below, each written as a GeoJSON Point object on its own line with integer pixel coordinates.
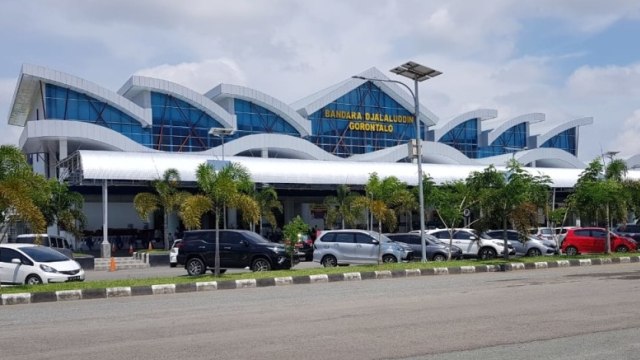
{"type": "Point", "coordinates": [504, 237]}
{"type": "Point", "coordinates": [217, 255]}
{"type": "Point", "coordinates": [165, 228]}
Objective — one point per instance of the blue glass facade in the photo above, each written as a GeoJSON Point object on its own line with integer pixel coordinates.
{"type": "Point", "coordinates": [565, 140]}
{"type": "Point", "coordinates": [65, 104]}
{"type": "Point", "coordinates": [254, 119]}
{"type": "Point", "coordinates": [514, 138]}
{"type": "Point", "coordinates": [361, 121]}
{"type": "Point", "coordinates": [464, 137]}
{"type": "Point", "coordinates": [179, 126]}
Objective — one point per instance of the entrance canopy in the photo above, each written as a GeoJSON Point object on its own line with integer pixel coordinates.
{"type": "Point", "coordinates": [88, 167]}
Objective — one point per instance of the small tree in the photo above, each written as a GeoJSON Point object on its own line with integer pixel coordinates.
{"type": "Point", "coordinates": [267, 200]}
{"type": "Point", "coordinates": [168, 198]}
{"type": "Point", "coordinates": [344, 206]}
{"type": "Point", "coordinates": [64, 209]}
{"type": "Point", "coordinates": [292, 233]}
{"type": "Point", "coordinates": [449, 201]}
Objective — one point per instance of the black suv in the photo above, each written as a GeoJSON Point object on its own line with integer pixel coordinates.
{"type": "Point", "coordinates": [238, 249]}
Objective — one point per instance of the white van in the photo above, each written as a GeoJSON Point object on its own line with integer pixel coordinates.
{"type": "Point", "coordinates": [53, 241]}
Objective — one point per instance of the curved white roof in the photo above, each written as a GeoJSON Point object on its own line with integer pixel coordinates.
{"type": "Point", "coordinates": [549, 157]}
{"type": "Point", "coordinates": [110, 165]}
{"type": "Point", "coordinates": [138, 83]}
{"type": "Point", "coordinates": [317, 101]}
{"type": "Point", "coordinates": [482, 114]}
{"type": "Point", "coordinates": [432, 152]}
{"type": "Point", "coordinates": [28, 89]}
{"type": "Point", "coordinates": [89, 135]}
{"type": "Point", "coordinates": [293, 146]}
{"type": "Point", "coordinates": [501, 127]}
{"type": "Point", "coordinates": [223, 91]}
{"type": "Point", "coordinates": [633, 162]}
{"type": "Point", "coordinates": [545, 131]}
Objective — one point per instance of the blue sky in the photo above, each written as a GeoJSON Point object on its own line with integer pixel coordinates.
{"type": "Point", "coordinates": [567, 59]}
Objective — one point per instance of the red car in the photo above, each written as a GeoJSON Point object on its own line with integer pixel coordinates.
{"type": "Point", "coordinates": [594, 240]}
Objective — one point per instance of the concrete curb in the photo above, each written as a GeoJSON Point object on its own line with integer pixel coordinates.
{"type": "Point", "coordinates": [71, 295]}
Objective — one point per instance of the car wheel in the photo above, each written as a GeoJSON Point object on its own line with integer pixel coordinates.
{"type": "Point", "coordinates": [329, 261]}
{"type": "Point", "coordinates": [571, 251]}
{"type": "Point", "coordinates": [172, 264]}
{"type": "Point", "coordinates": [389, 259]}
{"type": "Point", "coordinates": [33, 280]}
{"type": "Point", "coordinates": [622, 249]}
{"type": "Point", "coordinates": [487, 253]}
{"type": "Point", "coordinates": [195, 267]}
{"type": "Point", "coordinates": [260, 264]}
{"type": "Point", "coordinates": [439, 257]}
{"type": "Point", "coordinates": [534, 252]}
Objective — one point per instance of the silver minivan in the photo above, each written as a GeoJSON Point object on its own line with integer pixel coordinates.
{"type": "Point", "coordinates": [353, 246]}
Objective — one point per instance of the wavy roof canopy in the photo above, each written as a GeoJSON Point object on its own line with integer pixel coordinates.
{"type": "Point", "coordinates": [137, 83]}
{"type": "Point", "coordinates": [286, 145]}
{"type": "Point", "coordinates": [29, 88]}
{"type": "Point", "coordinates": [224, 91]}
{"type": "Point", "coordinates": [545, 131]}
{"type": "Point", "coordinates": [498, 128]}
{"type": "Point", "coordinates": [80, 135]}
{"type": "Point", "coordinates": [482, 114]}
{"type": "Point", "coordinates": [432, 152]}
{"type": "Point", "coordinates": [317, 101]}
{"type": "Point", "coordinates": [542, 157]}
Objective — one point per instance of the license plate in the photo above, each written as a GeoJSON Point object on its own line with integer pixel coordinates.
{"type": "Point", "coordinates": [73, 278]}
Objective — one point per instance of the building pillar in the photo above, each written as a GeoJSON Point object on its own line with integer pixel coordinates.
{"type": "Point", "coordinates": [105, 246]}
{"type": "Point", "coordinates": [63, 153]}
{"type": "Point", "coordinates": [264, 152]}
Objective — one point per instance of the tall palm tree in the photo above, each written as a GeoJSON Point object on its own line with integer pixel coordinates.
{"type": "Point", "coordinates": [224, 187]}
{"type": "Point", "coordinates": [167, 197]}
{"type": "Point", "coordinates": [267, 200]}
{"type": "Point", "coordinates": [343, 207]}
{"type": "Point", "coordinates": [20, 191]}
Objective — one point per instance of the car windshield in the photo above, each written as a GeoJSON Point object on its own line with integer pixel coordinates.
{"type": "Point", "coordinates": [43, 254]}
{"type": "Point", "coordinates": [433, 239]}
{"type": "Point", "coordinates": [485, 236]}
{"type": "Point", "coordinates": [257, 238]}
{"type": "Point", "coordinates": [546, 231]}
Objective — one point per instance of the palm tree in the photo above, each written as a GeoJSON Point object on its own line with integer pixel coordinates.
{"type": "Point", "coordinates": [221, 188]}
{"type": "Point", "coordinates": [20, 191]}
{"type": "Point", "coordinates": [267, 200]}
{"type": "Point", "coordinates": [168, 198]}
{"type": "Point", "coordinates": [343, 206]}
{"type": "Point", "coordinates": [383, 196]}
{"type": "Point", "coordinates": [64, 209]}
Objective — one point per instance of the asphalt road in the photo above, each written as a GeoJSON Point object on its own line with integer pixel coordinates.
{"type": "Point", "coordinates": [570, 313]}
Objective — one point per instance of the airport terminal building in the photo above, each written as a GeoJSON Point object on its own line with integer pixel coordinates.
{"type": "Point", "coordinates": [110, 143]}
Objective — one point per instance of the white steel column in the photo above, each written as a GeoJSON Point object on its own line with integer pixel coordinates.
{"type": "Point", "coordinates": [105, 246]}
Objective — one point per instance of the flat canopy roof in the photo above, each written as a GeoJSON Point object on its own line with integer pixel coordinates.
{"type": "Point", "coordinates": [88, 167]}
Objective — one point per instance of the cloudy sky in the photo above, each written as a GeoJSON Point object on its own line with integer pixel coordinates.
{"type": "Point", "coordinates": [568, 59]}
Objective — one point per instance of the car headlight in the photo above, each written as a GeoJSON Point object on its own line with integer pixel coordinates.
{"type": "Point", "coordinates": [398, 248]}
{"type": "Point", "coordinates": [48, 268]}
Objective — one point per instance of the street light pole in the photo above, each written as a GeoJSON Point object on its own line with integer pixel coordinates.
{"type": "Point", "coordinates": [417, 73]}
{"type": "Point", "coordinates": [221, 133]}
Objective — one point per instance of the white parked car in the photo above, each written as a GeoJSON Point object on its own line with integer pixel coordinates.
{"type": "Point", "coordinates": [353, 246]}
{"type": "Point", "coordinates": [36, 264]}
{"type": "Point", "coordinates": [173, 253]}
{"type": "Point", "coordinates": [472, 244]}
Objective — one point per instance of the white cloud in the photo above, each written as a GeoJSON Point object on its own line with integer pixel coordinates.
{"type": "Point", "coordinates": [290, 49]}
{"type": "Point", "coordinates": [198, 76]}
{"type": "Point", "coordinates": [8, 134]}
{"type": "Point", "coordinates": [627, 140]}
